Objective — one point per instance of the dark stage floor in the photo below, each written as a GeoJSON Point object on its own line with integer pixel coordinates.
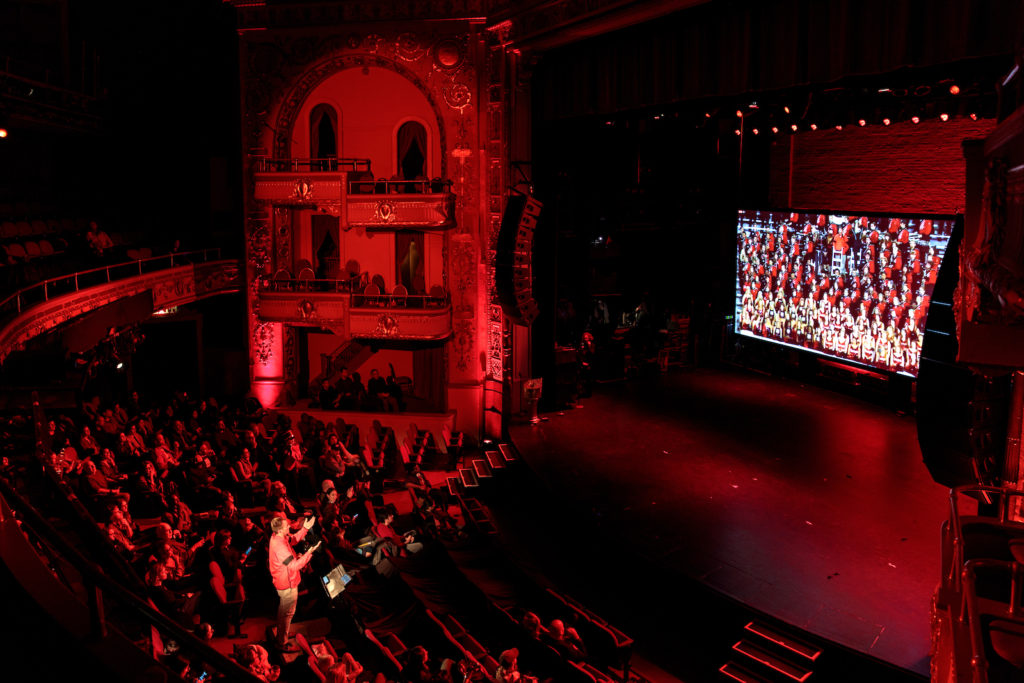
{"type": "Point", "coordinates": [805, 504]}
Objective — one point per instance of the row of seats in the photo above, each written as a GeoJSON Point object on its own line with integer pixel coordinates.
{"type": "Point", "coordinates": [38, 227]}
{"type": "Point", "coordinates": [983, 580]}
{"type": "Point", "coordinates": [26, 250]}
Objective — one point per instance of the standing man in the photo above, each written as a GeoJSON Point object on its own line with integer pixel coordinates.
{"type": "Point", "coordinates": [285, 566]}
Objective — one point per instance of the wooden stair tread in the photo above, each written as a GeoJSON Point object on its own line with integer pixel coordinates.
{"type": "Point", "coordinates": [791, 643]}
{"type": "Point", "coordinates": [773, 661]}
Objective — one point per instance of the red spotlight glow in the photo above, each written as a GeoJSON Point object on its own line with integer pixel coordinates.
{"type": "Point", "coordinates": [915, 119]}
{"type": "Point", "coordinates": [886, 121]}
{"type": "Point", "coordinates": [756, 131]}
{"type": "Point", "coordinates": [814, 126]}
{"type": "Point", "coordinates": [954, 89]}
{"type": "Point", "coordinates": [794, 127]}
{"type": "Point", "coordinates": [3, 132]}
{"type": "Point", "coordinates": [737, 131]}
{"type": "Point", "coordinates": [775, 129]}
{"type": "Point", "coordinates": [839, 126]}
{"type": "Point", "coordinates": [785, 109]}
{"type": "Point", "coordinates": [974, 117]}
{"type": "Point", "coordinates": [707, 115]}
{"type": "Point", "coordinates": [862, 122]}
{"type": "Point", "coordinates": [739, 113]}
{"type": "Point", "coordinates": [944, 116]}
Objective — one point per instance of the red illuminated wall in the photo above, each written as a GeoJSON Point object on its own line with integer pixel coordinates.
{"type": "Point", "coordinates": [905, 167]}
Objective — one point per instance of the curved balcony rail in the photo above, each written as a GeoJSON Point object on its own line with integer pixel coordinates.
{"type": "Point", "coordinates": [61, 285]}
{"type": "Point", "coordinates": [93, 607]}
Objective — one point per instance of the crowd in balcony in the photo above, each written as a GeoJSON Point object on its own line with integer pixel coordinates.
{"type": "Point", "coordinates": [34, 248]}
{"type": "Point", "coordinates": [348, 393]}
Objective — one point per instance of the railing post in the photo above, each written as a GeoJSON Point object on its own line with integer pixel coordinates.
{"type": "Point", "coordinates": [97, 617]}
{"type": "Point", "coordinates": [46, 290]}
{"type": "Point", "coordinates": [107, 271]}
{"type": "Point", "coordinates": [19, 302]}
{"type": "Point", "coordinates": [76, 282]}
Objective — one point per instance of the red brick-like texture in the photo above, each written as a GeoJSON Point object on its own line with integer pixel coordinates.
{"type": "Point", "coordinates": [902, 168]}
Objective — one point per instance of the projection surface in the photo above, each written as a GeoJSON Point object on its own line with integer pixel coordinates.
{"type": "Point", "coordinates": [855, 287]}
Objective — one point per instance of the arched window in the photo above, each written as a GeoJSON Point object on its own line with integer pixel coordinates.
{"type": "Point", "coordinates": [412, 151]}
{"type": "Point", "coordinates": [323, 132]}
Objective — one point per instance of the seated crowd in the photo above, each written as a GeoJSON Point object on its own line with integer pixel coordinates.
{"type": "Point", "coordinates": [348, 393]}
{"type": "Point", "coordinates": [189, 493]}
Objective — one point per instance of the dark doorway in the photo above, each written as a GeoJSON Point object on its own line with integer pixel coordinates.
{"type": "Point", "coordinates": [412, 154]}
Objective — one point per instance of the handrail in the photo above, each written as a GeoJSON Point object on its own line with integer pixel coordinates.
{"type": "Point", "coordinates": [394, 186]}
{"type": "Point", "coordinates": [991, 495]}
{"type": "Point", "coordinates": [426, 301]}
{"type": "Point", "coordinates": [329, 164]}
{"type": "Point", "coordinates": [337, 286]}
{"type": "Point", "coordinates": [74, 278]}
{"type": "Point", "coordinates": [95, 577]}
{"type": "Point", "coordinates": [979, 662]}
{"type": "Point", "coordinates": [357, 299]}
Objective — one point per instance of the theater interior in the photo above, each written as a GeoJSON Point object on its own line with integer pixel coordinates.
{"type": "Point", "coordinates": [478, 340]}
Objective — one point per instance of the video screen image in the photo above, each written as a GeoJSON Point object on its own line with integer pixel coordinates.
{"type": "Point", "coordinates": [855, 287]}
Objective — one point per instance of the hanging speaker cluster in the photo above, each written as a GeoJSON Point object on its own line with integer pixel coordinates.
{"type": "Point", "coordinates": [515, 258]}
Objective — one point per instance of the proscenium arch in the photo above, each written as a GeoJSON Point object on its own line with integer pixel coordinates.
{"type": "Point", "coordinates": [321, 71]}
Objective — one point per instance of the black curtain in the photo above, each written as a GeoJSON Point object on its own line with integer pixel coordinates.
{"type": "Point", "coordinates": [412, 150]}
{"type": "Point", "coordinates": [730, 48]}
{"type": "Point", "coordinates": [428, 376]}
{"type": "Point", "coordinates": [323, 132]}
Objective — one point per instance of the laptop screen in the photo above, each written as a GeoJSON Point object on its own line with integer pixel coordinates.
{"type": "Point", "coordinates": [335, 581]}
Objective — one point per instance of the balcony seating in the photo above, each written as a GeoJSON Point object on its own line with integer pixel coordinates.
{"type": "Point", "coordinates": [371, 296]}
{"type": "Point", "coordinates": [399, 295]}
{"type": "Point", "coordinates": [436, 298]}
{"type": "Point", "coordinates": [305, 270]}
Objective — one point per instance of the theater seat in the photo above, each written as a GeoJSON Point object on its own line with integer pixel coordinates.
{"type": "Point", "coordinates": [1007, 639]}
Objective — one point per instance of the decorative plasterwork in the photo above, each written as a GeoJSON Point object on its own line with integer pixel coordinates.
{"type": "Point", "coordinates": [455, 91]}
{"type": "Point", "coordinates": [303, 308]}
{"type": "Point", "coordinates": [417, 324]}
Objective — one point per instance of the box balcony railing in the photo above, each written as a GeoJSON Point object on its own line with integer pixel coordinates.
{"type": "Point", "coordinates": [362, 312]}
{"type": "Point", "coordinates": [325, 165]}
{"type": "Point", "coordinates": [356, 293]}
{"type": "Point", "coordinates": [346, 188]}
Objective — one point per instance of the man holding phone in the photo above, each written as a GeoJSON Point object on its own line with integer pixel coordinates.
{"type": "Point", "coordinates": [285, 568]}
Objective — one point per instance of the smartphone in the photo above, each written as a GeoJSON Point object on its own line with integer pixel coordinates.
{"type": "Point", "coordinates": [202, 677]}
{"type": "Point", "coordinates": [247, 550]}
{"type": "Point", "coordinates": [355, 516]}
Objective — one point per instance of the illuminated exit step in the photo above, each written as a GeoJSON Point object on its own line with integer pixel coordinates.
{"type": "Point", "coordinates": [740, 673]}
{"type": "Point", "coordinates": [773, 661]}
{"type": "Point", "coordinates": [794, 645]}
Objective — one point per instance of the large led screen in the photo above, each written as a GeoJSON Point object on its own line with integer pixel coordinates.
{"type": "Point", "coordinates": [852, 287]}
